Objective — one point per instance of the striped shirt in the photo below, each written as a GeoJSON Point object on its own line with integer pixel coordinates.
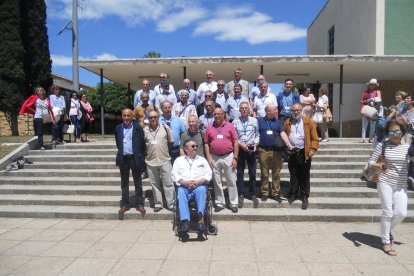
{"type": "Point", "coordinates": [396, 160]}
{"type": "Point", "coordinates": [247, 130]}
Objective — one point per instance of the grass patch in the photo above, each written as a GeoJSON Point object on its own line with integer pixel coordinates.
{"type": "Point", "coordinates": [4, 150]}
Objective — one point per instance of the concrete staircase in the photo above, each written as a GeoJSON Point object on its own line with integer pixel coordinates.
{"type": "Point", "coordinates": [82, 181]}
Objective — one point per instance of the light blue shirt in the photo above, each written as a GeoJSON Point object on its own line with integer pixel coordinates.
{"type": "Point", "coordinates": [297, 134]}
{"type": "Point", "coordinates": [128, 139]}
{"type": "Point", "coordinates": [137, 97]}
{"type": "Point", "coordinates": [57, 101]}
{"type": "Point", "coordinates": [177, 126]}
{"type": "Point", "coordinates": [165, 97]}
{"type": "Point", "coordinates": [247, 130]}
{"type": "Point", "coordinates": [233, 106]}
{"type": "Point", "coordinates": [192, 97]}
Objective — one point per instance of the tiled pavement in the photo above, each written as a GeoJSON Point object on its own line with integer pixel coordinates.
{"type": "Point", "coordinates": [110, 247]}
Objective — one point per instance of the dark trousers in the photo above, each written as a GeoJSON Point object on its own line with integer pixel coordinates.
{"type": "Point", "coordinates": [127, 165]}
{"type": "Point", "coordinates": [411, 169]}
{"type": "Point", "coordinates": [299, 171]}
{"type": "Point", "coordinates": [57, 129]}
{"type": "Point", "coordinates": [249, 158]}
{"type": "Point", "coordinates": [38, 123]}
{"type": "Point", "coordinates": [76, 123]}
{"type": "Point", "coordinates": [174, 154]}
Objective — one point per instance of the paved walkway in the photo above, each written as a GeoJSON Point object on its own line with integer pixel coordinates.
{"type": "Point", "coordinates": [101, 247]}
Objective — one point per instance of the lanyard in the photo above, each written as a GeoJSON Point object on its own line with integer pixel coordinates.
{"type": "Point", "coordinates": [156, 131]}
{"type": "Point", "coordinates": [245, 125]}
{"type": "Point", "coordinates": [269, 125]}
{"type": "Point", "coordinates": [263, 99]}
{"type": "Point", "coordinates": [220, 129]}
{"type": "Point", "coordinates": [296, 125]}
{"type": "Point", "coordinates": [190, 164]}
{"type": "Point", "coordinates": [127, 131]}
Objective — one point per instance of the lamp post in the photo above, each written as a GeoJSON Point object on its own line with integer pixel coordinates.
{"type": "Point", "coordinates": [75, 68]}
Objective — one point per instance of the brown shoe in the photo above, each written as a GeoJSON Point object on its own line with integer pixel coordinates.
{"type": "Point", "coordinates": [121, 212]}
{"type": "Point", "coordinates": [142, 210]}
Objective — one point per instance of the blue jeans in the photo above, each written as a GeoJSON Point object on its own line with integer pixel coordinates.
{"type": "Point", "coordinates": [184, 195]}
{"type": "Point", "coordinates": [57, 129]}
{"type": "Point", "coordinates": [76, 123]}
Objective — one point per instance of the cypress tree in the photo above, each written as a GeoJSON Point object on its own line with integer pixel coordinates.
{"type": "Point", "coordinates": [12, 76]}
{"type": "Point", "coordinates": [37, 62]}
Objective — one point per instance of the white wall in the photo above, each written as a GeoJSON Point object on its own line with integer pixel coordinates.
{"type": "Point", "coordinates": [355, 28]}
{"type": "Point", "coordinates": [351, 97]}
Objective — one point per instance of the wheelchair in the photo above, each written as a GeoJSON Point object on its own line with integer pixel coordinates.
{"type": "Point", "coordinates": [210, 227]}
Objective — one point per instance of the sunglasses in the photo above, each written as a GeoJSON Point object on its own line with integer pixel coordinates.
{"type": "Point", "coordinates": [194, 146]}
{"type": "Point", "coordinates": [208, 96]}
{"type": "Point", "coordinates": [392, 133]}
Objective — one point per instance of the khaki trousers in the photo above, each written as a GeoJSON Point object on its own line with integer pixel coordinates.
{"type": "Point", "coordinates": [223, 163]}
{"type": "Point", "coordinates": [270, 160]}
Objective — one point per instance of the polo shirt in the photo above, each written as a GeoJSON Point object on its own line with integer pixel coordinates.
{"type": "Point", "coordinates": [260, 102]}
{"type": "Point", "coordinates": [176, 125]}
{"type": "Point", "coordinates": [265, 125]}
{"type": "Point", "coordinates": [220, 139]}
{"type": "Point", "coordinates": [196, 137]}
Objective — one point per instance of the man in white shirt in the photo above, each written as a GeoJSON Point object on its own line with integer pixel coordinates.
{"type": "Point", "coordinates": [262, 100]}
{"type": "Point", "coordinates": [209, 84]}
{"type": "Point", "coordinates": [191, 173]}
{"type": "Point", "coordinates": [192, 98]}
{"type": "Point", "coordinates": [255, 91]}
{"type": "Point", "coordinates": [220, 96]}
{"type": "Point", "coordinates": [158, 88]}
{"type": "Point", "coordinates": [165, 95]}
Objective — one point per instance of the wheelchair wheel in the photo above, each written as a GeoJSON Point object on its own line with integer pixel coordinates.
{"type": "Point", "coordinates": [212, 229]}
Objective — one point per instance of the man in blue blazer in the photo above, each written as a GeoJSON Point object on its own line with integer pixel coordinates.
{"type": "Point", "coordinates": [130, 142]}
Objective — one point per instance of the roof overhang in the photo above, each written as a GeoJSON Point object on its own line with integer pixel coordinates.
{"type": "Point", "coordinates": [305, 68]}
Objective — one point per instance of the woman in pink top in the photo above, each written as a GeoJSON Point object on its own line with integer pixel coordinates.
{"type": "Point", "coordinates": [307, 100]}
{"type": "Point", "coordinates": [368, 97]}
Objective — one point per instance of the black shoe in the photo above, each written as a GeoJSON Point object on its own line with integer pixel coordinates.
{"type": "Point", "coordinates": [157, 209]}
{"type": "Point", "coordinates": [234, 209]}
{"type": "Point", "coordinates": [264, 198]}
{"type": "Point", "coordinates": [241, 201]}
{"type": "Point", "coordinates": [121, 212]}
{"type": "Point", "coordinates": [218, 208]}
{"type": "Point", "coordinates": [305, 204]}
{"type": "Point", "coordinates": [185, 227]}
{"type": "Point", "coordinates": [201, 227]}
{"type": "Point", "coordinates": [277, 198]}
{"type": "Point", "coordinates": [291, 199]}
{"type": "Point", "coordinates": [255, 202]}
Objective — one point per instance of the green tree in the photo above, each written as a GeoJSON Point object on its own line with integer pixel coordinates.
{"type": "Point", "coordinates": [37, 62]}
{"type": "Point", "coordinates": [152, 54]}
{"type": "Point", "coordinates": [115, 97]}
{"type": "Point", "coordinates": [12, 76]}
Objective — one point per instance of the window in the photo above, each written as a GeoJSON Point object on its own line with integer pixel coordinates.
{"type": "Point", "coordinates": [331, 40]}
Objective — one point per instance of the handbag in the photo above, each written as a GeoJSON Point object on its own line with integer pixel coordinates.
{"type": "Point", "coordinates": [47, 119]}
{"type": "Point", "coordinates": [279, 143]}
{"type": "Point", "coordinates": [89, 117]}
{"type": "Point", "coordinates": [317, 117]}
{"type": "Point", "coordinates": [69, 129]}
{"type": "Point", "coordinates": [370, 174]}
{"type": "Point", "coordinates": [369, 111]}
{"type": "Point", "coordinates": [328, 115]}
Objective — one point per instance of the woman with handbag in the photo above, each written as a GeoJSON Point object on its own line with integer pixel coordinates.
{"type": "Point", "coordinates": [86, 119]}
{"type": "Point", "coordinates": [307, 100]}
{"type": "Point", "coordinates": [321, 107]}
{"type": "Point", "coordinates": [392, 183]}
{"type": "Point", "coordinates": [75, 114]}
{"type": "Point", "coordinates": [367, 99]}
{"type": "Point", "coordinates": [39, 105]}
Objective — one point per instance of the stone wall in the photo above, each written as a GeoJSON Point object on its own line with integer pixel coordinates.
{"type": "Point", "coordinates": [25, 125]}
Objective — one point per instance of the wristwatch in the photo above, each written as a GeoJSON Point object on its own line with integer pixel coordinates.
{"type": "Point", "coordinates": [235, 158]}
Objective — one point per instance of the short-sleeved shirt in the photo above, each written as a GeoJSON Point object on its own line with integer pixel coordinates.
{"type": "Point", "coordinates": [176, 125]}
{"type": "Point", "coordinates": [162, 97]}
{"type": "Point", "coordinates": [233, 106]}
{"type": "Point", "coordinates": [260, 102]}
{"type": "Point", "coordinates": [192, 96]}
{"type": "Point", "coordinates": [42, 108]}
{"type": "Point", "coordinates": [204, 121]}
{"type": "Point", "coordinates": [196, 137]}
{"type": "Point", "coordinates": [157, 145]}
{"type": "Point", "coordinates": [203, 87]}
{"type": "Point", "coordinates": [255, 91]}
{"type": "Point", "coordinates": [220, 139]}
{"type": "Point", "coordinates": [247, 130]}
{"type": "Point", "coordinates": [137, 97]}
{"type": "Point", "coordinates": [268, 130]}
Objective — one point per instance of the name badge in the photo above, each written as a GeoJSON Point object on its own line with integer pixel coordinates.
{"type": "Point", "coordinates": [146, 121]}
{"type": "Point", "coordinates": [219, 136]}
{"type": "Point", "coordinates": [287, 108]}
{"type": "Point", "coordinates": [269, 132]}
{"type": "Point", "coordinates": [237, 109]}
{"type": "Point", "coordinates": [153, 142]}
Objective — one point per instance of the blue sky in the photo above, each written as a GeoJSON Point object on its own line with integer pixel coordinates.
{"type": "Point", "coordinates": [111, 29]}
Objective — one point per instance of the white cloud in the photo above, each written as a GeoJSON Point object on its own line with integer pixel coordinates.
{"type": "Point", "coordinates": [60, 61]}
{"type": "Point", "coordinates": [224, 23]}
{"type": "Point", "coordinates": [181, 19]}
{"type": "Point", "coordinates": [105, 56]}
{"type": "Point", "coordinates": [246, 24]}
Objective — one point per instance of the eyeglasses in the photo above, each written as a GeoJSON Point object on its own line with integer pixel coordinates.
{"type": "Point", "coordinates": [194, 146]}
{"type": "Point", "coordinates": [208, 96]}
{"type": "Point", "coordinates": [295, 110]}
{"type": "Point", "coordinates": [393, 133]}
{"type": "Point", "coordinates": [152, 117]}
{"type": "Point", "coordinates": [220, 84]}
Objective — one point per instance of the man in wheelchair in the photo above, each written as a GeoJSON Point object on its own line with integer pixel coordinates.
{"type": "Point", "coordinates": [191, 173]}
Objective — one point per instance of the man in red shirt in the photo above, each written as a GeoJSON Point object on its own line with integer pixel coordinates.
{"type": "Point", "coordinates": [222, 151]}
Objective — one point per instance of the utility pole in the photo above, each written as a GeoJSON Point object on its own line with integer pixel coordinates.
{"type": "Point", "coordinates": [75, 68]}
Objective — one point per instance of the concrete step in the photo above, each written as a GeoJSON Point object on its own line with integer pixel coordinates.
{"type": "Point", "coordinates": [344, 151]}
{"type": "Point", "coordinates": [292, 213]}
{"type": "Point", "coordinates": [105, 181]}
{"type": "Point", "coordinates": [340, 158]}
{"type": "Point", "coordinates": [86, 151]}
{"type": "Point", "coordinates": [338, 173]}
{"type": "Point", "coordinates": [111, 165]}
